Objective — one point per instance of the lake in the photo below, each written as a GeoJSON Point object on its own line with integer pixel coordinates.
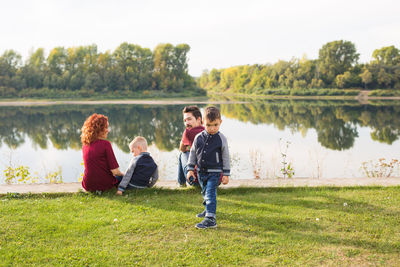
{"type": "Point", "coordinates": [321, 139]}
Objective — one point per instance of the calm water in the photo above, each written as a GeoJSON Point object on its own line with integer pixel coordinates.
{"type": "Point", "coordinates": [324, 138]}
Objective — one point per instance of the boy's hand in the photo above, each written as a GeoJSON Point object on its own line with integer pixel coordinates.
{"type": "Point", "coordinates": [119, 193]}
{"type": "Point", "coordinates": [189, 174]}
{"type": "Point", "coordinates": [225, 179]}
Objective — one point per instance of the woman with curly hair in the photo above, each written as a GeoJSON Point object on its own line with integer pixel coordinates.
{"type": "Point", "coordinates": [101, 166]}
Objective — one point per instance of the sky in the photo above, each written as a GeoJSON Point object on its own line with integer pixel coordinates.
{"type": "Point", "coordinates": [221, 33]}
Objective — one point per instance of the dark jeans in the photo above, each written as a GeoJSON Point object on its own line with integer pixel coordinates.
{"type": "Point", "coordinates": [209, 183]}
{"type": "Point", "coordinates": [182, 167]}
{"type": "Point", "coordinates": [119, 178]}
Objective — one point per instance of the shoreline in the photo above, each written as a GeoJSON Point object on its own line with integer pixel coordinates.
{"type": "Point", "coordinates": [120, 102]}
{"type": "Point", "coordinates": [362, 99]}
{"type": "Point", "coordinates": [76, 187]}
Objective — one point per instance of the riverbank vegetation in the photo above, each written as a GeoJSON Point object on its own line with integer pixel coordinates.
{"type": "Point", "coordinates": [256, 227]}
{"type": "Point", "coordinates": [129, 71]}
{"type": "Point", "coordinates": [337, 67]}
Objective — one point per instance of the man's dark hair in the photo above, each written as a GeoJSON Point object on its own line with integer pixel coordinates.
{"type": "Point", "coordinates": [194, 110]}
{"type": "Point", "coordinates": [212, 113]}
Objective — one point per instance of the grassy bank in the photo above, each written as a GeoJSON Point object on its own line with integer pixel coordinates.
{"type": "Point", "coordinates": [293, 93]}
{"type": "Point", "coordinates": [83, 94]}
{"type": "Point", "coordinates": [383, 93]}
{"type": "Point", "coordinates": [256, 227]}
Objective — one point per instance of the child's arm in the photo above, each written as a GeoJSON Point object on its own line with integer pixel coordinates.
{"type": "Point", "coordinates": [184, 145]}
{"type": "Point", "coordinates": [192, 156]}
{"type": "Point", "coordinates": [183, 148]}
{"type": "Point", "coordinates": [226, 165]}
{"type": "Point", "coordinates": [153, 178]}
{"type": "Point", "coordinates": [127, 177]}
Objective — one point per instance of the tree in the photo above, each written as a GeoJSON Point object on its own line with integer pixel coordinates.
{"type": "Point", "coordinates": [56, 60]}
{"type": "Point", "coordinates": [343, 79]}
{"type": "Point", "coordinates": [227, 77]}
{"type": "Point", "coordinates": [388, 56]}
{"type": "Point", "coordinates": [136, 65]}
{"type": "Point", "coordinates": [335, 58]}
{"type": "Point", "coordinates": [384, 78]}
{"type": "Point", "coordinates": [203, 79]}
{"type": "Point", "coordinates": [170, 68]}
{"type": "Point", "coordinates": [366, 77]}
{"type": "Point", "coordinates": [10, 61]}
{"type": "Point", "coordinates": [241, 80]}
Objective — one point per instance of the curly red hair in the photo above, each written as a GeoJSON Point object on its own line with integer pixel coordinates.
{"type": "Point", "coordinates": [94, 126]}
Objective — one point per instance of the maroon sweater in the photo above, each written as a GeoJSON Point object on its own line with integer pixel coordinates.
{"type": "Point", "coordinates": [189, 134]}
{"type": "Point", "coordinates": [99, 160]}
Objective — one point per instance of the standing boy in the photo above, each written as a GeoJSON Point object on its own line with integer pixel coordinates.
{"type": "Point", "coordinates": [211, 155]}
{"type": "Point", "coordinates": [192, 121]}
{"type": "Point", "coordinates": [142, 171]}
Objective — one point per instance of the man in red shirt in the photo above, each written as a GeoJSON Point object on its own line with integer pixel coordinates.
{"type": "Point", "coordinates": [193, 123]}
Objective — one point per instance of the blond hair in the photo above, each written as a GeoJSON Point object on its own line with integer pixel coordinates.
{"type": "Point", "coordinates": [139, 141]}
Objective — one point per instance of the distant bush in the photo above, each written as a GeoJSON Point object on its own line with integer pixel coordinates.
{"type": "Point", "coordinates": [7, 91]}
{"type": "Point", "coordinates": [351, 92]}
{"type": "Point", "coordinates": [309, 92]}
{"type": "Point", "coordinates": [384, 93]}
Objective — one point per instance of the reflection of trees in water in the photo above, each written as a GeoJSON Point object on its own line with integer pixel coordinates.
{"type": "Point", "coordinates": [335, 121]}
{"type": "Point", "coordinates": [61, 125]}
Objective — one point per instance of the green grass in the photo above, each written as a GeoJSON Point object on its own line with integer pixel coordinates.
{"type": "Point", "coordinates": [256, 227]}
{"type": "Point", "coordinates": [46, 93]}
{"type": "Point", "coordinates": [295, 93]}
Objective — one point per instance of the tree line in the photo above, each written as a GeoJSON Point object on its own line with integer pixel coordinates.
{"type": "Point", "coordinates": [129, 68]}
{"type": "Point", "coordinates": [336, 67]}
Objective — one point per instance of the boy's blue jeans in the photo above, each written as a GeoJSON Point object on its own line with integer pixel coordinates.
{"type": "Point", "coordinates": [182, 167]}
{"type": "Point", "coordinates": [209, 183]}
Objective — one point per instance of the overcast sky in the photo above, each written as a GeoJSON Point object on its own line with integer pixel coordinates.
{"type": "Point", "coordinates": [221, 33]}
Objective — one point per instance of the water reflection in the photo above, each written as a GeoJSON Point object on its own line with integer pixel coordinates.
{"type": "Point", "coordinates": [61, 125]}
{"type": "Point", "coordinates": [336, 122]}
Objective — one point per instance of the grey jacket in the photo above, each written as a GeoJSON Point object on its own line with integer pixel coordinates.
{"type": "Point", "coordinates": [141, 173]}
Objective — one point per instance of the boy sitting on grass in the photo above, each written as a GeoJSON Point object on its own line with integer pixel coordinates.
{"type": "Point", "coordinates": [210, 152]}
{"type": "Point", "coordinates": [142, 171]}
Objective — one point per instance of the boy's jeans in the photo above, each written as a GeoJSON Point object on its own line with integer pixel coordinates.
{"type": "Point", "coordinates": [209, 183]}
{"type": "Point", "coordinates": [182, 167]}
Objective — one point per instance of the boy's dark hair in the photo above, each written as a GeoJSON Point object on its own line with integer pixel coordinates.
{"type": "Point", "coordinates": [212, 113]}
{"type": "Point", "coordinates": [194, 110]}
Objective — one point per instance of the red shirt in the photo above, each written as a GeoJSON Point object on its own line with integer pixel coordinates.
{"type": "Point", "coordinates": [99, 160]}
{"type": "Point", "coordinates": [189, 134]}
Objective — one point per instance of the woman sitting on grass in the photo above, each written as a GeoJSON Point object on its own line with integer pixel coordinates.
{"type": "Point", "coordinates": [101, 166]}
